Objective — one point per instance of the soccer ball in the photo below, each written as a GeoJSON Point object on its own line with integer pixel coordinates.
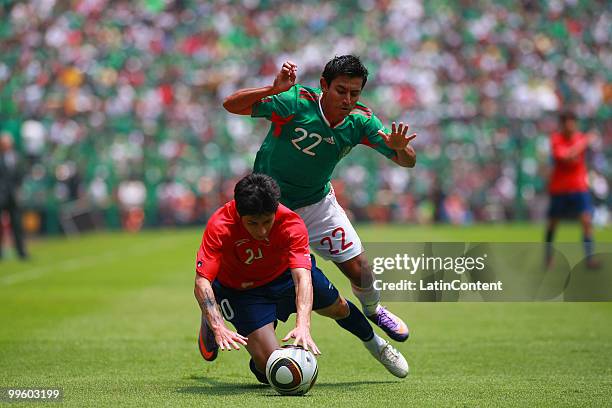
{"type": "Point", "coordinates": [291, 370]}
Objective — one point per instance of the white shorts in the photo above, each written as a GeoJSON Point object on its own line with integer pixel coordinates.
{"type": "Point", "coordinates": [331, 234]}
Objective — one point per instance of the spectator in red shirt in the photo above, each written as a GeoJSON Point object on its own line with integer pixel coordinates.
{"type": "Point", "coordinates": [569, 187]}
{"type": "Point", "coordinates": [254, 265]}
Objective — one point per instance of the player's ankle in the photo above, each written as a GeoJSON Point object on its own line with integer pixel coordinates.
{"type": "Point", "coordinates": [370, 310]}
{"type": "Point", "coordinates": [375, 344]}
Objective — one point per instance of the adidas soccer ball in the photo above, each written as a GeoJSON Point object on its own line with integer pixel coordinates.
{"type": "Point", "coordinates": [291, 370]}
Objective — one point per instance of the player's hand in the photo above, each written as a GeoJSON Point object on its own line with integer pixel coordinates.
{"type": "Point", "coordinates": [285, 79]}
{"type": "Point", "coordinates": [397, 139]}
{"type": "Point", "coordinates": [227, 339]}
{"type": "Point", "coordinates": [302, 338]}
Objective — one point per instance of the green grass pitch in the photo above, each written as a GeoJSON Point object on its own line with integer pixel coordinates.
{"type": "Point", "coordinates": [111, 319]}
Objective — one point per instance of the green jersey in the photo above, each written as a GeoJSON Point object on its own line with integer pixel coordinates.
{"type": "Point", "coordinates": [301, 150]}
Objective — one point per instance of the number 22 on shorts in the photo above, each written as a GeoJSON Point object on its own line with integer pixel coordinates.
{"type": "Point", "coordinates": [338, 232]}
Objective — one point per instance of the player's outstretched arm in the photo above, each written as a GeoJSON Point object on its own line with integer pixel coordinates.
{"type": "Point", "coordinates": [241, 102]}
{"type": "Point", "coordinates": [303, 302]}
{"type": "Point", "coordinates": [225, 338]}
{"type": "Point", "coordinates": [580, 147]}
{"type": "Point", "coordinates": [399, 140]}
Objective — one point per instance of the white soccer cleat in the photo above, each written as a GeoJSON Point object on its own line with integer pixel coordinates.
{"type": "Point", "coordinates": [393, 360]}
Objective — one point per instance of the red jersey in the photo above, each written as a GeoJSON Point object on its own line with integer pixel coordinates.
{"type": "Point", "coordinates": [568, 176]}
{"type": "Point", "coordinates": [229, 253]}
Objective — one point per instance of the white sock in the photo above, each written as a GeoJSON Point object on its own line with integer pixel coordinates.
{"type": "Point", "coordinates": [369, 298]}
{"type": "Point", "coordinates": [375, 344]}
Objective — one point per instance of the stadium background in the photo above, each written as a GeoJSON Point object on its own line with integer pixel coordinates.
{"type": "Point", "coordinates": [117, 105]}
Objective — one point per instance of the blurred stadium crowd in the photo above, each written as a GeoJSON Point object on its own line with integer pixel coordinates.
{"type": "Point", "coordinates": [117, 104]}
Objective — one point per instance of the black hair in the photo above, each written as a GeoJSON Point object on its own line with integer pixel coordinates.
{"type": "Point", "coordinates": [567, 115]}
{"type": "Point", "coordinates": [348, 65]}
{"type": "Point", "coordinates": [256, 194]}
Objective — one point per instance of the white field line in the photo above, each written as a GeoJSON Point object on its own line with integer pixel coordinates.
{"type": "Point", "coordinates": [79, 263]}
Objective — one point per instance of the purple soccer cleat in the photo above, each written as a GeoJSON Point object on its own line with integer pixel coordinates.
{"type": "Point", "coordinates": [390, 323]}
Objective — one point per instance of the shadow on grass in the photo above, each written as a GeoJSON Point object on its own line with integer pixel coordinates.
{"type": "Point", "coordinates": [212, 386]}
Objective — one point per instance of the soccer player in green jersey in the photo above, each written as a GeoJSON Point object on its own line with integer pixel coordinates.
{"type": "Point", "coordinates": [312, 130]}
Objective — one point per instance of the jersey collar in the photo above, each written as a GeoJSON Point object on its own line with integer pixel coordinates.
{"type": "Point", "coordinates": [323, 115]}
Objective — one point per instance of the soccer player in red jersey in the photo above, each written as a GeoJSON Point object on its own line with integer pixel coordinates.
{"type": "Point", "coordinates": [254, 266]}
{"type": "Point", "coordinates": [569, 186]}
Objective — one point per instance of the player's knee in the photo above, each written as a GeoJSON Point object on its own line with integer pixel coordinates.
{"type": "Point", "coordinates": [358, 271]}
{"type": "Point", "coordinates": [339, 310]}
{"type": "Point", "coordinates": [342, 309]}
{"type": "Point", "coordinates": [585, 218]}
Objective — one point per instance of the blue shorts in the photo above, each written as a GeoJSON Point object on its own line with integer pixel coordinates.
{"type": "Point", "coordinates": [569, 205]}
{"type": "Point", "coordinates": [248, 310]}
